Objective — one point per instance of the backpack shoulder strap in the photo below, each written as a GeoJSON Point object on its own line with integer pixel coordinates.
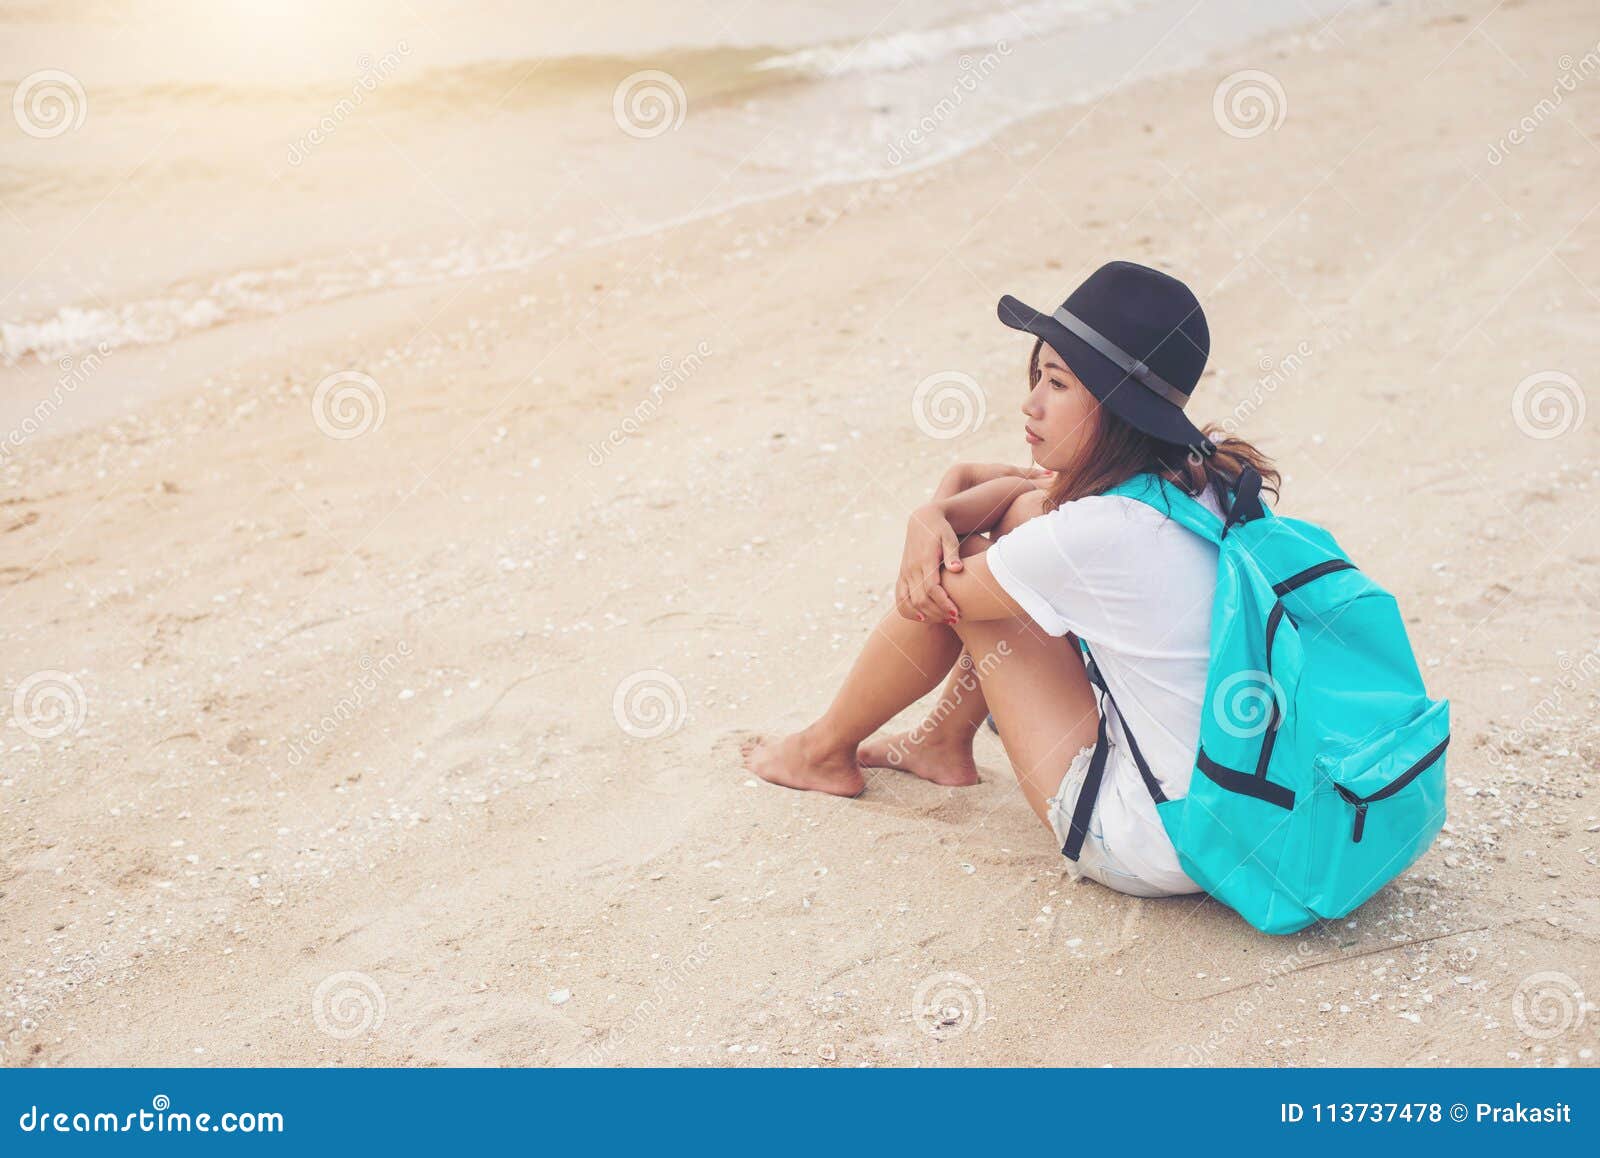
{"type": "Point", "coordinates": [1154, 491]}
{"type": "Point", "coordinates": [1089, 791]}
{"type": "Point", "coordinates": [1244, 503]}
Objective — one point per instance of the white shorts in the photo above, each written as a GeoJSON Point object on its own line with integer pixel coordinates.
{"type": "Point", "coordinates": [1125, 849]}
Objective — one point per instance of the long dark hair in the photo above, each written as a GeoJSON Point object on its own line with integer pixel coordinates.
{"type": "Point", "coordinates": [1116, 452]}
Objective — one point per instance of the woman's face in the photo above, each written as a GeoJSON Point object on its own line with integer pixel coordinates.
{"type": "Point", "coordinates": [1061, 413]}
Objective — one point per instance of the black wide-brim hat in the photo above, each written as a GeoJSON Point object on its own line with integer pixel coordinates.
{"type": "Point", "coordinates": [1137, 338]}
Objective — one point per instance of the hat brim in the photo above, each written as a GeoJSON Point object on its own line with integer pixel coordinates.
{"type": "Point", "coordinates": [1124, 396]}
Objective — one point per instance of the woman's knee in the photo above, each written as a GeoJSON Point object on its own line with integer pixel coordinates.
{"type": "Point", "coordinates": [989, 634]}
{"type": "Point", "coordinates": [975, 545]}
{"type": "Point", "coordinates": [1024, 507]}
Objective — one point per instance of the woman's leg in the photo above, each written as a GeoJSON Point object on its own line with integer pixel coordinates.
{"type": "Point", "coordinates": [902, 661]}
{"type": "Point", "coordinates": [940, 747]}
{"type": "Point", "coordinates": [1042, 701]}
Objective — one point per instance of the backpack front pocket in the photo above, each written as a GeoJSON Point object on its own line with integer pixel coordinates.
{"type": "Point", "coordinates": [1378, 803]}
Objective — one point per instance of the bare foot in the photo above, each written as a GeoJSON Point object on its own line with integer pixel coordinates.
{"type": "Point", "coordinates": [950, 764]}
{"type": "Point", "coordinates": [791, 762]}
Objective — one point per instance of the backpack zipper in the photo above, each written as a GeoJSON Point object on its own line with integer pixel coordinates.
{"type": "Point", "coordinates": [1274, 618]}
{"type": "Point", "coordinates": [1301, 578]}
{"type": "Point", "coordinates": [1360, 802]}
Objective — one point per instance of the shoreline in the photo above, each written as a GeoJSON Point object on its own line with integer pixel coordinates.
{"type": "Point", "coordinates": [224, 298]}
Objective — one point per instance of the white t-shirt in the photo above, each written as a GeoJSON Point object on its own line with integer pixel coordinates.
{"type": "Point", "coordinates": [1138, 587]}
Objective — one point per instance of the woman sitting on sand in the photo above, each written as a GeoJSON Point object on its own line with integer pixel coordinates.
{"type": "Point", "coordinates": [1005, 569]}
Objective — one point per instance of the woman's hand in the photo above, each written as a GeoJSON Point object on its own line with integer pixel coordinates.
{"type": "Point", "coordinates": [931, 544]}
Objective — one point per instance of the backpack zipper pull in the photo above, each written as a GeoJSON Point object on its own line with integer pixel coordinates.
{"type": "Point", "coordinates": [1361, 821]}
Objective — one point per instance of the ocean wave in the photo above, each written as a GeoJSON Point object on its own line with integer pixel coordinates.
{"type": "Point", "coordinates": [900, 50]}
{"type": "Point", "coordinates": [509, 82]}
{"type": "Point", "coordinates": [247, 294]}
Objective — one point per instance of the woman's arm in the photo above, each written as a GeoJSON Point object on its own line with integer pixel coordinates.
{"type": "Point", "coordinates": [977, 593]}
{"type": "Point", "coordinates": [980, 507]}
{"type": "Point", "coordinates": [965, 475]}
{"type": "Point", "coordinates": [933, 544]}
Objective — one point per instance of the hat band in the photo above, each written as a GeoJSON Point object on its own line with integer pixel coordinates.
{"type": "Point", "coordinates": [1125, 361]}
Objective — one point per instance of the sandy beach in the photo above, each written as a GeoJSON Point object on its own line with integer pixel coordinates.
{"type": "Point", "coordinates": [376, 663]}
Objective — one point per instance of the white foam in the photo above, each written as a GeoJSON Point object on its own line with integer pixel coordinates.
{"type": "Point", "coordinates": [251, 294]}
{"type": "Point", "coordinates": [902, 50]}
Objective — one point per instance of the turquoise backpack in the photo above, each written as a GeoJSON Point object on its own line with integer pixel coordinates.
{"type": "Point", "coordinates": [1320, 772]}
